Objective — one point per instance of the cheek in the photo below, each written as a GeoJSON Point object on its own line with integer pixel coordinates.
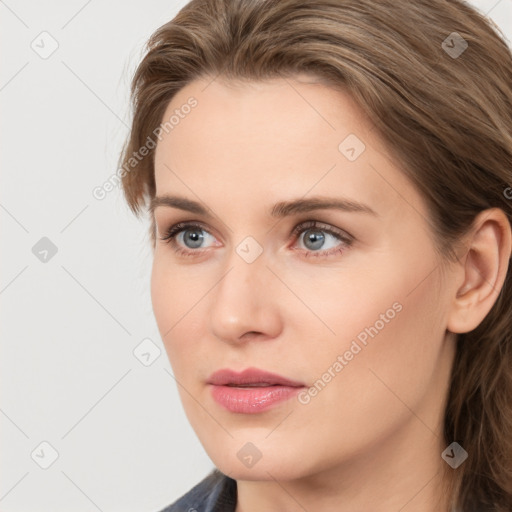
{"type": "Point", "coordinates": [388, 321]}
{"type": "Point", "coordinates": [163, 297]}
{"type": "Point", "coordinates": [373, 393]}
{"type": "Point", "coordinates": [390, 341]}
{"type": "Point", "coordinates": [174, 299]}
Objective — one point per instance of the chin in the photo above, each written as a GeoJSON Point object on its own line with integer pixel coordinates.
{"type": "Point", "coordinates": [272, 465]}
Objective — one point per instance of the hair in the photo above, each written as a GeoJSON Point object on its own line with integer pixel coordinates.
{"type": "Point", "coordinates": [446, 118]}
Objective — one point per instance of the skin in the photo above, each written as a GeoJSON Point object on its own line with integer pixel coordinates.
{"type": "Point", "coordinates": [371, 439]}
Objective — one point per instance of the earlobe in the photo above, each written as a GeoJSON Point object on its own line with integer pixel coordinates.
{"type": "Point", "coordinates": [484, 268]}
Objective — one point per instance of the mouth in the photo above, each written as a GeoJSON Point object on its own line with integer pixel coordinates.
{"type": "Point", "coordinates": [251, 377]}
{"type": "Point", "coordinates": [255, 385]}
{"type": "Point", "coordinates": [251, 391]}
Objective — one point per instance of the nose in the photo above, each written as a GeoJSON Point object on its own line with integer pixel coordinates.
{"type": "Point", "coordinates": [245, 303]}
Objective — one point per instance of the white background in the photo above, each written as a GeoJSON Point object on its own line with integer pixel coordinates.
{"type": "Point", "coordinates": [70, 325]}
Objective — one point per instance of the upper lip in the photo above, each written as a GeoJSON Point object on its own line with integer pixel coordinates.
{"type": "Point", "coordinates": [226, 377]}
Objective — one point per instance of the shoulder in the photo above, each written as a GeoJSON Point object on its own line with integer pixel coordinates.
{"type": "Point", "coordinates": [215, 493]}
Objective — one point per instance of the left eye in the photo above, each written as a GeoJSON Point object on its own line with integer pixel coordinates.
{"type": "Point", "coordinates": [312, 235]}
{"type": "Point", "coordinates": [314, 238]}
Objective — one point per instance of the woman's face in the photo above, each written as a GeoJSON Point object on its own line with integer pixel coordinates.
{"type": "Point", "coordinates": [345, 301]}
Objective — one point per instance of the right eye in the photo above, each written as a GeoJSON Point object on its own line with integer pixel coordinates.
{"type": "Point", "coordinates": [183, 233]}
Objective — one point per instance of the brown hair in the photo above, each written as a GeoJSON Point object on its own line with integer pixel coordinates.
{"type": "Point", "coordinates": [444, 110]}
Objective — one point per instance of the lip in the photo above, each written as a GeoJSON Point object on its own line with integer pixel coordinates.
{"type": "Point", "coordinates": [226, 377]}
{"type": "Point", "coordinates": [227, 388]}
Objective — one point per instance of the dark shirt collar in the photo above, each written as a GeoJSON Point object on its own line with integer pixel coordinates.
{"type": "Point", "coordinates": [215, 493]}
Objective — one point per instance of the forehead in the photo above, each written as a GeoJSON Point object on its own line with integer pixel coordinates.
{"type": "Point", "coordinates": [302, 106]}
{"type": "Point", "coordinates": [273, 138]}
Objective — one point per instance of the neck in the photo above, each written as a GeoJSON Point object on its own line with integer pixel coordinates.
{"type": "Point", "coordinates": [405, 473]}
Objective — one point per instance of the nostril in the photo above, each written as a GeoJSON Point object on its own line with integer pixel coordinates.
{"type": "Point", "coordinates": [251, 334]}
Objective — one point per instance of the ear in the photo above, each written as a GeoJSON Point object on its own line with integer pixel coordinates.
{"type": "Point", "coordinates": [483, 269]}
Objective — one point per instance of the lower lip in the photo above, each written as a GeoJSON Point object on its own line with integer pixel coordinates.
{"type": "Point", "coordinates": [252, 400]}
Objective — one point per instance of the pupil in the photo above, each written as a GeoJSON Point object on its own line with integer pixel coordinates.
{"type": "Point", "coordinates": [315, 237]}
{"type": "Point", "coordinates": [195, 237]}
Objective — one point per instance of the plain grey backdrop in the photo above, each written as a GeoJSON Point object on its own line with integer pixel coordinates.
{"type": "Point", "coordinates": [90, 414]}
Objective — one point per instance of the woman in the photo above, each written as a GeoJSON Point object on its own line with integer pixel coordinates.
{"type": "Point", "coordinates": [329, 189]}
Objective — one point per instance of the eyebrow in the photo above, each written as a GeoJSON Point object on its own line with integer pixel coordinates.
{"type": "Point", "coordinates": [279, 210]}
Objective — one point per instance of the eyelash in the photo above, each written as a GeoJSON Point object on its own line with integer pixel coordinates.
{"type": "Point", "coordinates": [173, 231]}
